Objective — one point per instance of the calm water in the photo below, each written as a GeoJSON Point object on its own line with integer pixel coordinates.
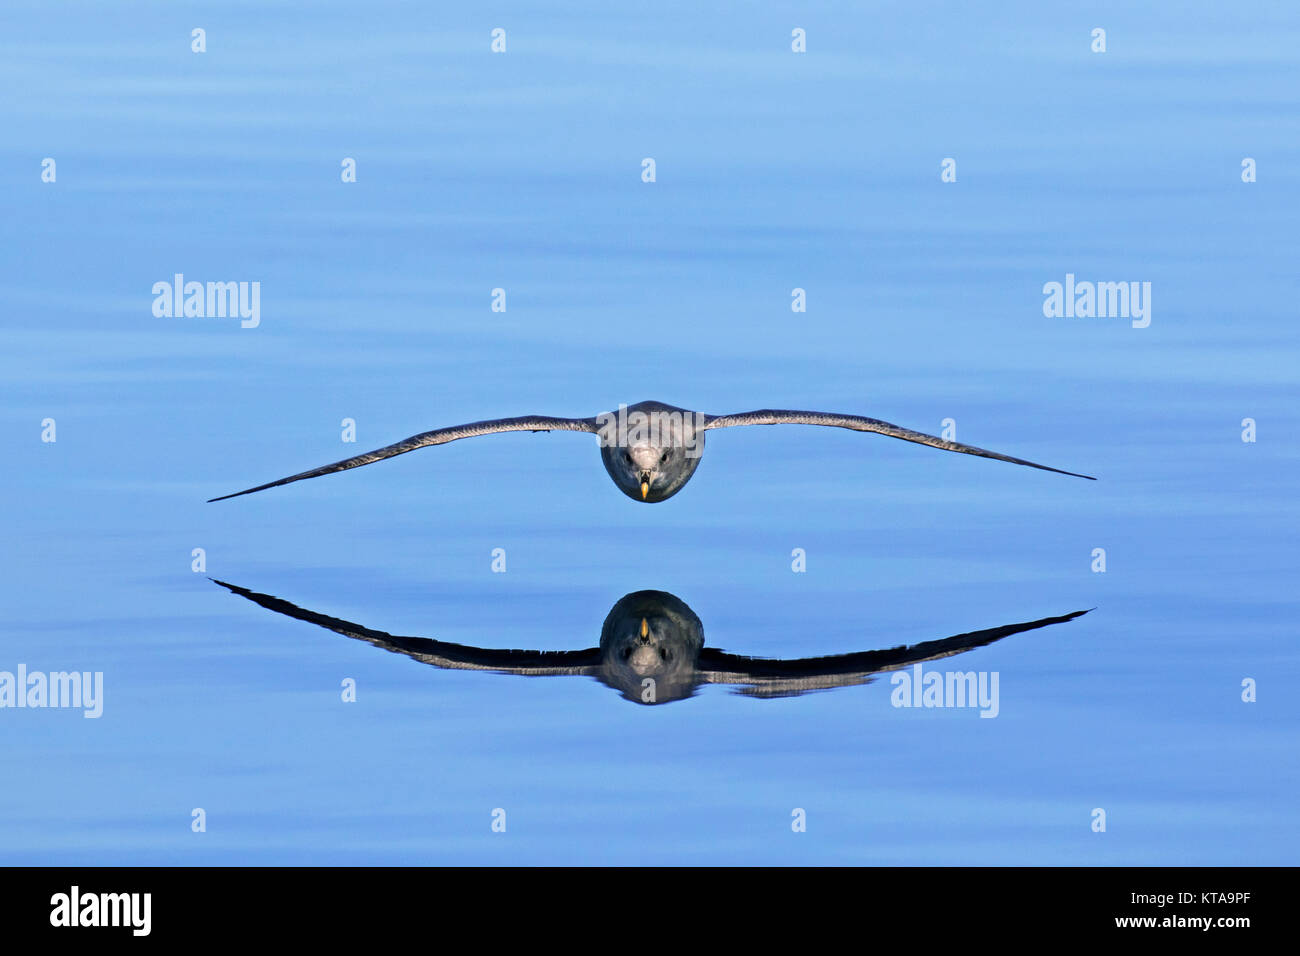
{"type": "Point", "coordinates": [775, 170]}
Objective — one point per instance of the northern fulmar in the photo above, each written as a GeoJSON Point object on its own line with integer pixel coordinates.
{"type": "Point", "coordinates": [649, 449]}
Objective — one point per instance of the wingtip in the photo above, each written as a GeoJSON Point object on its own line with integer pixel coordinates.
{"type": "Point", "coordinates": [1073, 616]}
{"type": "Point", "coordinates": [246, 491]}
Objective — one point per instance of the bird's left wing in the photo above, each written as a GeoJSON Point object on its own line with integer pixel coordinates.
{"type": "Point", "coordinates": [439, 436]}
{"type": "Point", "coordinates": [440, 653]}
{"type": "Point", "coordinates": [779, 416]}
{"type": "Point", "coordinates": [760, 677]}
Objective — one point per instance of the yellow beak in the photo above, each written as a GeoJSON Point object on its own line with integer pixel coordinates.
{"type": "Point", "coordinates": [645, 627]}
{"type": "Point", "coordinates": [645, 489]}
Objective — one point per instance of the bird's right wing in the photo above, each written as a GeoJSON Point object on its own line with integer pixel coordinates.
{"type": "Point", "coordinates": [440, 653]}
{"type": "Point", "coordinates": [762, 677]}
{"type": "Point", "coordinates": [859, 423]}
{"type": "Point", "coordinates": [439, 436]}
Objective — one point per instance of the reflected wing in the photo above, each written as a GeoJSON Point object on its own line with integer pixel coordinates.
{"type": "Point", "coordinates": [440, 653]}
{"type": "Point", "coordinates": [772, 416]}
{"type": "Point", "coordinates": [789, 678]}
{"type": "Point", "coordinates": [440, 436]}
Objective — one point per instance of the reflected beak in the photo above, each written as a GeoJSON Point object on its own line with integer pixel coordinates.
{"type": "Point", "coordinates": [645, 627]}
{"type": "Point", "coordinates": [645, 489]}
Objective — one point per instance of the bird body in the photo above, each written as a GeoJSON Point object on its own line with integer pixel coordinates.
{"type": "Point", "coordinates": [650, 449]}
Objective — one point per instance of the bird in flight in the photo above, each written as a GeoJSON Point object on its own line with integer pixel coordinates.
{"type": "Point", "coordinates": [652, 652]}
{"type": "Point", "coordinates": [649, 449]}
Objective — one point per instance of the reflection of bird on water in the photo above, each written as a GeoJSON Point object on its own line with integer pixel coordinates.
{"type": "Point", "coordinates": [650, 449]}
{"type": "Point", "coordinates": [652, 650]}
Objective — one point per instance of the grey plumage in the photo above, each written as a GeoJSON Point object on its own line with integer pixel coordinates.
{"type": "Point", "coordinates": [439, 436]}
{"type": "Point", "coordinates": [655, 463]}
{"type": "Point", "coordinates": [774, 416]}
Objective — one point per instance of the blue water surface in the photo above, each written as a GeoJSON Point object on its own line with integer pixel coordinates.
{"type": "Point", "coordinates": [774, 171]}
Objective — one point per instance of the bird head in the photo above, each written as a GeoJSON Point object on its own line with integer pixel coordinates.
{"type": "Point", "coordinates": [650, 644]}
{"type": "Point", "coordinates": [652, 471]}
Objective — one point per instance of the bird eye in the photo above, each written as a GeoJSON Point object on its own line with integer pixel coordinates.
{"type": "Point", "coordinates": [627, 458]}
{"type": "Point", "coordinates": [663, 458]}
